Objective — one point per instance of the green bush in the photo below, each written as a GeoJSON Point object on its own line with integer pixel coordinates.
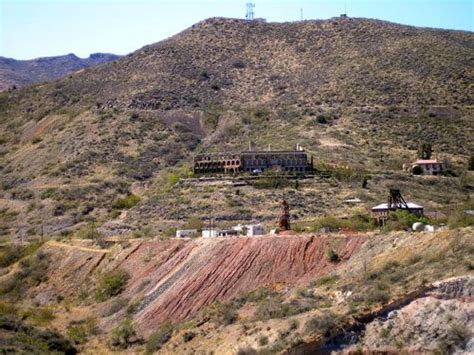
{"type": "Point", "coordinates": [332, 256]}
{"type": "Point", "coordinates": [19, 337]}
{"type": "Point", "coordinates": [188, 336]}
{"type": "Point", "coordinates": [126, 202]}
{"type": "Point", "coordinates": [111, 284]}
{"type": "Point", "coordinates": [11, 253]}
{"type": "Point", "coordinates": [32, 271]}
{"type": "Point", "coordinates": [263, 340]}
{"type": "Point", "coordinates": [470, 163]}
{"type": "Point", "coordinates": [39, 315]}
{"type": "Point", "coordinates": [357, 222]}
{"type": "Point", "coordinates": [324, 324]}
{"type": "Point", "coordinates": [122, 335]}
{"type": "Point", "coordinates": [403, 220]}
{"type": "Point", "coordinates": [79, 332]}
{"type": "Point", "coordinates": [159, 337]}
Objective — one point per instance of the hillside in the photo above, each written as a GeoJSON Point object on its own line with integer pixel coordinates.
{"type": "Point", "coordinates": [232, 294]}
{"type": "Point", "coordinates": [19, 73]}
{"type": "Point", "coordinates": [359, 94]}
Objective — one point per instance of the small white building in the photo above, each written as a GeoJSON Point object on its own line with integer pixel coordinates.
{"type": "Point", "coordinates": [429, 166]}
{"type": "Point", "coordinates": [210, 233]}
{"type": "Point", "coordinates": [227, 233]}
{"type": "Point", "coordinates": [183, 233]}
{"type": "Point", "coordinates": [250, 230]}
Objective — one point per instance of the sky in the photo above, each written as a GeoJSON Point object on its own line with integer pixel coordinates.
{"type": "Point", "coordinates": [38, 28]}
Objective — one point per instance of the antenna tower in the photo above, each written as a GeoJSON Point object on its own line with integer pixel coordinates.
{"type": "Point", "coordinates": [250, 13]}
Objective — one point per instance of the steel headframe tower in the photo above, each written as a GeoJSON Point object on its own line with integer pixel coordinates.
{"type": "Point", "coordinates": [250, 13]}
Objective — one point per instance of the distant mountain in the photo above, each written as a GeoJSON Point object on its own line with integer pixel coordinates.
{"type": "Point", "coordinates": [18, 73]}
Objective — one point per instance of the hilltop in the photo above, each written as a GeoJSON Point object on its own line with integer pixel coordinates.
{"type": "Point", "coordinates": [18, 73]}
{"type": "Point", "coordinates": [356, 93]}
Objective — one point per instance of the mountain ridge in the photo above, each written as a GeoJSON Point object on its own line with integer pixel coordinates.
{"type": "Point", "coordinates": [15, 73]}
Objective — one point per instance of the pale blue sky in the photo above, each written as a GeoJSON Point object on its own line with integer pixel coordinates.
{"type": "Point", "coordinates": [30, 28]}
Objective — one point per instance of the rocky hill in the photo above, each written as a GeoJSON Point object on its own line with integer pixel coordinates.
{"type": "Point", "coordinates": [18, 73]}
{"type": "Point", "coordinates": [360, 95]}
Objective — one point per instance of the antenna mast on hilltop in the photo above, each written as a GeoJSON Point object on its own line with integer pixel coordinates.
{"type": "Point", "coordinates": [301, 12]}
{"type": "Point", "coordinates": [250, 13]}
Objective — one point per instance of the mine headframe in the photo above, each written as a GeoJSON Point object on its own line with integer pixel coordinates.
{"type": "Point", "coordinates": [396, 201]}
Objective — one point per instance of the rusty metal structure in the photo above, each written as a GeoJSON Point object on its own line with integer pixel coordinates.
{"type": "Point", "coordinates": [284, 219]}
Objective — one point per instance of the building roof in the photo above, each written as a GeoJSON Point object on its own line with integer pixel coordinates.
{"type": "Point", "coordinates": [384, 206]}
{"type": "Point", "coordinates": [426, 161]}
{"type": "Point", "coordinates": [251, 152]}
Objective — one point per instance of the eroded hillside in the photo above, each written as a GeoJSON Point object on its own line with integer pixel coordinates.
{"type": "Point", "coordinates": [273, 293]}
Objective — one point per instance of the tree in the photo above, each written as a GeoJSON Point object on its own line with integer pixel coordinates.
{"type": "Point", "coordinates": [417, 170]}
{"type": "Point", "coordinates": [425, 151]}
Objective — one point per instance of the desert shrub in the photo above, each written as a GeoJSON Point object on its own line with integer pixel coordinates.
{"type": "Point", "coordinates": [89, 231]}
{"type": "Point", "coordinates": [117, 305]}
{"type": "Point", "coordinates": [470, 163]}
{"type": "Point", "coordinates": [325, 281]}
{"type": "Point", "coordinates": [111, 284]}
{"type": "Point", "coordinates": [253, 296]}
{"type": "Point", "coordinates": [402, 220]}
{"type": "Point", "coordinates": [238, 64]}
{"type": "Point", "coordinates": [458, 218]}
{"type": "Point", "coordinates": [11, 253]}
{"type": "Point", "coordinates": [323, 119]}
{"type": "Point", "coordinates": [27, 339]}
{"type": "Point", "coordinates": [32, 271]}
{"type": "Point", "coordinates": [78, 332]}
{"type": "Point", "coordinates": [132, 307]}
{"type": "Point", "coordinates": [7, 215]}
{"type": "Point", "coordinates": [212, 115]}
{"type": "Point", "coordinates": [357, 222]}
{"type": "Point", "coordinates": [274, 307]}
{"type": "Point", "coordinates": [126, 202]}
{"type": "Point", "coordinates": [39, 315]}
{"type": "Point", "coordinates": [188, 336]}
{"type": "Point", "coordinates": [122, 335]}
{"type": "Point", "coordinates": [263, 340]}
{"type": "Point", "coordinates": [159, 337]}
{"type": "Point", "coordinates": [271, 182]}
{"type": "Point", "coordinates": [22, 194]}
{"type": "Point", "coordinates": [221, 313]}
{"type": "Point", "coordinates": [325, 323]}
{"type": "Point", "coordinates": [332, 256]}
{"type": "Point", "coordinates": [294, 324]}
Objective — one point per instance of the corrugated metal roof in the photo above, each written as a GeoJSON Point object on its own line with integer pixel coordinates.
{"type": "Point", "coordinates": [384, 206]}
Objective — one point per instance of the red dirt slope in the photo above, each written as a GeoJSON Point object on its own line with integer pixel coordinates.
{"type": "Point", "coordinates": [205, 271]}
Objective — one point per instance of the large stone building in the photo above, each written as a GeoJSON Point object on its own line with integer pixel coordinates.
{"type": "Point", "coordinates": [253, 161]}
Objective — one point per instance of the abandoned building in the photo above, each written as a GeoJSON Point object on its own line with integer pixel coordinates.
{"type": "Point", "coordinates": [253, 161]}
{"type": "Point", "coordinates": [429, 166]}
{"type": "Point", "coordinates": [395, 202]}
{"type": "Point", "coordinates": [250, 230]}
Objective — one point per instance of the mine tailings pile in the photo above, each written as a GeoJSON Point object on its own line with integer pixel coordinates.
{"type": "Point", "coordinates": [177, 278]}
